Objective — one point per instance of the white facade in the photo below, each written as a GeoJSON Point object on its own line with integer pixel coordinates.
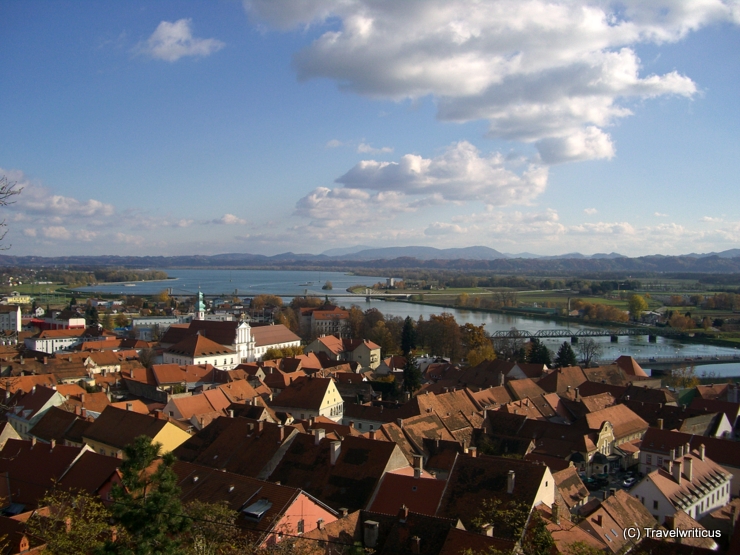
{"type": "Point", "coordinates": [10, 318]}
{"type": "Point", "coordinates": [52, 345]}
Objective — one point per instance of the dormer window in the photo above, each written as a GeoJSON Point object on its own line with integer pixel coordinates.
{"type": "Point", "coordinates": [256, 511]}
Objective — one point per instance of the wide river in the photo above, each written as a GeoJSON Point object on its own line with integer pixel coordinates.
{"type": "Point", "coordinates": [247, 283]}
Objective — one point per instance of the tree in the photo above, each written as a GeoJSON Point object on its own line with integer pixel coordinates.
{"type": "Point", "coordinates": [539, 353]}
{"type": "Point", "coordinates": [107, 322]}
{"type": "Point", "coordinates": [683, 377]}
{"type": "Point", "coordinates": [147, 503]}
{"type": "Point", "coordinates": [588, 350]}
{"type": "Point", "coordinates": [327, 286]}
{"type": "Point", "coordinates": [512, 520]}
{"type": "Point", "coordinates": [565, 356]}
{"type": "Point", "coordinates": [91, 316]}
{"type": "Point", "coordinates": [408, 336]}
{"type": "Point", "coordinates": [77, 523]}
{"type": "Point", "coordinates": [214, 530]}
{"type": "Point", "coordinates": [637, 306]}
{"type": "Point", "coordinates": [8, 190]}
{"type": "Point", "coordinates": [121, 320]}
{"type": "Point", "coordinates": [273, 353]}
{"type": "Point", "coordinates": [481, 354]}
{"type": "Point", "coordinates": [147, 357]}
{"type": "Point", "coordinates": [411, 374]}
{"type": "Point", "coordinates": [163, 296]}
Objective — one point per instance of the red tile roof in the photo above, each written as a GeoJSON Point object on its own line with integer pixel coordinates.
{"type": "Point", "coordinates": [118, 428]}
{"type": "Point", "coordinates": [197, 346]}
{"type": "Point", "coordinates": [273, 335]}
{"type": "Point", "coordinates": [421, 495]}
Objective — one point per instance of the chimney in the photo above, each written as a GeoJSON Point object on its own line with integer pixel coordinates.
{"type": "Point", "coordinates": [688, 468]}
{"type": "Point", "coordinates": [82, 397]}
{"type": "Point", "coordinates": [46, 360]}
{"type": "Point", "coordinates": [370, 534]}
{"type": "Point", "coordinates": [343, 512]}
{"type": "Point", "coordinates": [510, 482]}
{"type": "Point", "coordinates": [260, 425]}
{"type": "Point", "coordinates": [33, 390]}
{"type": "Point", "coordinates": [399, 421]}
{"type": "Point", "coordinates": [371, 434]}
{"type": "Point", "coordinates": [83, 412]}
{"type": "Point", "coordinates": [132, 373]}
{"type": "Point", "coordinates": [487, 529]}
{"type": "Point", "coordinates": [255, 400]}
{"type": "Point", "coordinates": [701, 451]}
{"type": "Point", "coordinates": [129, 406]}
{"type": "Point", "coordinates": [335, 448]}
{"type": "Point", "coordinates": [33, 442]}
{"type": "Point", "coordinates": [660, 423]}
{"type": "Point", "coordinates": [418, 466]}
{"type": "Point", "coordinates": [673, 454]}
{"type": "Point", "coordinates": [281, 433]}
{"type": "Point", "coordinates": [680, 451]}
{"type": "Point", "coordinates": [320, 524]}
{"type": "Point", "coordinates": [416, 545]}
{"type": "Point", "coordinates": [577, 397]}
{"type": "Point", "coordinates": [733, 514]}
{"type": "Point", "coordinates": [403, 513]}
{"type": "Point", "coordinates": [231, 413]}
{"type": "Point", "coordinates": [556, 513]}
{"type": "Point", "coordinates": [473, 451]}
{"type": "Point", "coordinates": [77, 410]}
{"type": "Point", "coordinates": [318, 435]}
{"type": "Point", "coordinates": [567, 389]}
{"type": "Point", "coordinates": [53, 443]}
{"type": "Point", "coordinates": [687, 449]}
{"type": "Point", "coordinates": [677, 472]}
{"type": "Point", "coordinates": [669, 466]}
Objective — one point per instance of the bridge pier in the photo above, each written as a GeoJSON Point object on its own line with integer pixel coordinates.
{"type": "Point", "coordinates": [652, 338]}
{"type": "Point", "coordinates": [574, 339]}
{"type": "Point", "coordinates": [614, 338]}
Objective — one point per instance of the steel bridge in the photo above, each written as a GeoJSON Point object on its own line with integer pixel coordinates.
{"type": "Point", "coordinates": [582, 332]}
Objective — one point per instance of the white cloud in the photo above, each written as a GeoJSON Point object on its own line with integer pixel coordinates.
{"type": "Point", "coordinates": [711, 219]}
{"type": "Point", "coordinates": [365, 148]}
{"type": "Point", "coordinates": [174, 40]}
{"type": "Point", "coordinates": [460, 173]}
{"type": "Point", "coordinates": [590, 211]}
{"type": "Point", "coordinates": [334, 143]}
{"type": "Point", "coordinates": [604, 228]}
{"type": "Point", "coordinates": [127, 239]}
{"type": "Point", "coordinates": [56, 232]}
{"type": "Point", "coordinates": [441, 228]}
{"type": "Point", "coordinates": [660, 215]}
{"type": "Point", "coordinates": [229, 219]}
{"type": "Point", "coordinates": [29, 232]}
{"type": "Point", "coordinates": [551, 72]}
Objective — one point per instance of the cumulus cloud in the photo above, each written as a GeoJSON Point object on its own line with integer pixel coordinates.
{"type": "Point", "coordinates": [126, 239]}
{"type": "Point", "coordinates": [660, 215]}
{"type": "Point", "coordinates": [334, 143]}
{"type": "Point", "coordinates": [711, 219]}
{"type": "Point", "coordinates": [590, 211]}
{"type": "Point", "coordinates": [604, 228]}
{"type": "Point", "coordinates": [229, 219]}
{"type": "Point", "coordinates": [29, 232]}
{"type": "Point", "coordinates": [554, 73]}
{"type": "Point", "coordinates": [460, 173]}
{"type": "Point", "coordinates": [174, 40]}
{"type": "Point", "coordinates": [365, 148]}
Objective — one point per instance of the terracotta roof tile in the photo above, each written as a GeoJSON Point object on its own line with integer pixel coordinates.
{"type": "Point", "coordinates": [273, 335]}
{"type": "Point", "coordinates": [118, 428]}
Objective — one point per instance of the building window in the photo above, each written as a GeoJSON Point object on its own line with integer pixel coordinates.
{"type": "Point", "coordinates": [300, 526]}
{"type": "Point", "coordinates": [648, 459]}
{"type": "Point", "coordinates": [655, 504]}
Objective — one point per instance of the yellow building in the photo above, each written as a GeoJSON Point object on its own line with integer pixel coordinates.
{"type": "Point", "coordinates": [116, 428]}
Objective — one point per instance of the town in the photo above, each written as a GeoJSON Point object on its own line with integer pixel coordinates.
{"type": "Point", "coordinates": [318, 439]}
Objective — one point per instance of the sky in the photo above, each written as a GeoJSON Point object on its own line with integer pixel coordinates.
{"type": "Point", "coordinates": [547, 127]}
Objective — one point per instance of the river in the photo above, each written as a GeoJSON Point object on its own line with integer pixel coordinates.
{"type": "Point", "coordinates": [292, 283]}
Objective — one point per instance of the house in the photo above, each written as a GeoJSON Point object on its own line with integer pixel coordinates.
{"type": "Point", "coordinates": [197, 349]}
{"type": "Point", "coordinates": [324, 320]}
{"type": "Point", "coordinates": [26, 409]}
{"type": "Point", "coordinates": [657, 445]}
{"type": "Point", "coordinates": [266, 511]}
{"type": "Point", "coordinates": [240, 445]}
{"type": "Point", "coordinates": [689, 481]}
{"type": "Point", "coordinates": [364, 352]}
{"type": "Point", "coordinates": [475, 478]}
{"type": "Point", "coordinates": [114, 429]}
{"type": "Point", "coordinates": [10, 318]}
{"type": "Point", "coordinates": [306, 397]}
{"type": "Point", "coordinates": [571, 488]}
{"type": "Point", "coordinates": [274, 336]}
{"type": "Point", "coordinates": [420, 493]}
{"type": "Point", "coordinates": [342, 474]}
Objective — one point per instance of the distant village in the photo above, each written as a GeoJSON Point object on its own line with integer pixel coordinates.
{"type": "Point", "coordinates": [304, 437]}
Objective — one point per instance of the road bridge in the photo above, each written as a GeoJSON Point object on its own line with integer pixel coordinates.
{"type": "Point", "coordinates": [575, 334]}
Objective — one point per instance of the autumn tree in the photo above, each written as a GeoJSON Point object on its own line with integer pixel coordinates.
{"type": "Point", "coordinates": [637, 305]}
{"type": "Point", "coordinates": [683, 377]}
{"type": "Point", "coordinates": [107, 321]}
{"type": "Point", "coordinates": [261, 301]}
{"type": "Point", "coordinates": [77, 522]}
{"type": "Point", "coordinates": [327, 286]}
{"type": "Point", "coordinates": [121, 320]}
{"type": "Point", "coordinates": [480, 354]}
{"type": "Point", "coordinates": [512, 520]}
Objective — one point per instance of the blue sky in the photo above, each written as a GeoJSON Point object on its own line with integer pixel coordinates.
{"type": "Point", "coordinates": [265, 127]}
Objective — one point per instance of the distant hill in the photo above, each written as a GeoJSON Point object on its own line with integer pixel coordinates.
{"type": "Point", "coordinates": [346, 250]}
{"type": "Point", "coordinates": [426, 253]}
{"type": "Point", "coordinates": [465, 259]}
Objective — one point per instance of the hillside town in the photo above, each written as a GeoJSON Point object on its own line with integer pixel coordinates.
{"type": "Point", "coordinates": [322, 442]}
